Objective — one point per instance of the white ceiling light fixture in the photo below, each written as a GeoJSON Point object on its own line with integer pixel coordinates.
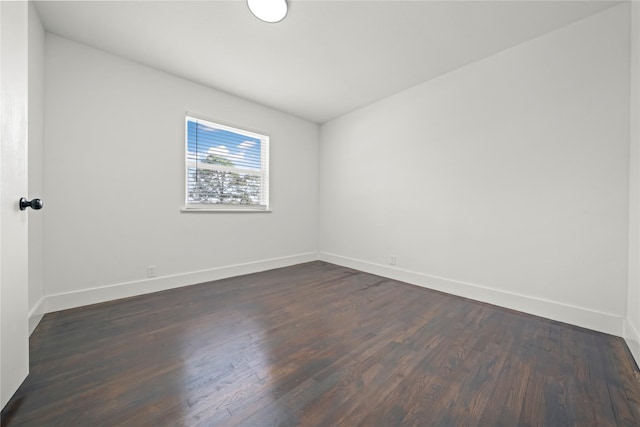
{"type": "Point", "coordinates": [271, 11]}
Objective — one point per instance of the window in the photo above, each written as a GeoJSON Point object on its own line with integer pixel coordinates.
{"type": "Point", "coordinates": [226, 168]}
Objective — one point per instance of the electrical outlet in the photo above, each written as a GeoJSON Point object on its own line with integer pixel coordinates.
{"type": "Point", "coordinates": [151, 271]}
{"type": "Point", "coordinates": [392, 260]}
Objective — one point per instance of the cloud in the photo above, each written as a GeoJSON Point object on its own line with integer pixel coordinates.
{"type": "Point", "coordinates": [204, 128]}
{"type": "Point", "coordinates": [224, 152]}
{"type": "Point", "coordinates": [192, 155]}
{"type": "Point", "coordinates": [246, 144]}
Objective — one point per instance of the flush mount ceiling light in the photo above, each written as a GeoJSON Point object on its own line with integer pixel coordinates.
{"type": "Point", "coordinates": [268, 10]}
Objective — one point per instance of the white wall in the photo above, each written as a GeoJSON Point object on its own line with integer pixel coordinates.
{"type": "Point", "coordinates": [36, 153]}
{"type": "Point", "coordinates": [114, 175]}
{"type": "Point", "coordinates": [632, 326]}
{"type": "Point", "coordinates": [505, 181]}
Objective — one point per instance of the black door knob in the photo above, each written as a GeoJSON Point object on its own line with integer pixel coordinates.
{"type": "Point", "coordinates": [33, 204]}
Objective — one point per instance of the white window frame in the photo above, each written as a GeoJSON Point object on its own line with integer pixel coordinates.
{"type": "Point", "coordinates": [263, 173]}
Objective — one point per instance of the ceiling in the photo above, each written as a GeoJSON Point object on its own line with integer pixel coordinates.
{"type": "Point", "coordinates": [325, 59]}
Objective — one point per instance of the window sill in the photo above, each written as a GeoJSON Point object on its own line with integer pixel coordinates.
{"type": "Point", "coordinates": [186, 210]}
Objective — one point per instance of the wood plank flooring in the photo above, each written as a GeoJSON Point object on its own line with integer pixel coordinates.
{"type": "Point", "coordinates": [319, 345]}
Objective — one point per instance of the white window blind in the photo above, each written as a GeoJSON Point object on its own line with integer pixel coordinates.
{"type": "Point", "coordinates": [226, 168]}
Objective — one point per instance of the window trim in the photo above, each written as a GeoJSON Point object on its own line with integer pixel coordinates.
{"type": "Point", "coordinates": [264, 172]}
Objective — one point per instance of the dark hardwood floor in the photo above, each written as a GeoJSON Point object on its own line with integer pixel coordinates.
{"type": "Point", "coordinates": [319, 345]}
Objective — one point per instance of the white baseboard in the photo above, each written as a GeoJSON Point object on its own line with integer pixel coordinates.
{"type": "Point", "coordinates": [35, 315]}
{"type": "Point", "coordinates": [632, 338]}
{"type": "Point", "coordinates": [579, 316]}
{"type": "Point", "coordinates": [84, 297]}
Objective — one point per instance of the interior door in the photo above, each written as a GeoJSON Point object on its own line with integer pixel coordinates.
{"type": "Point", "coordinates": [14, 329]}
